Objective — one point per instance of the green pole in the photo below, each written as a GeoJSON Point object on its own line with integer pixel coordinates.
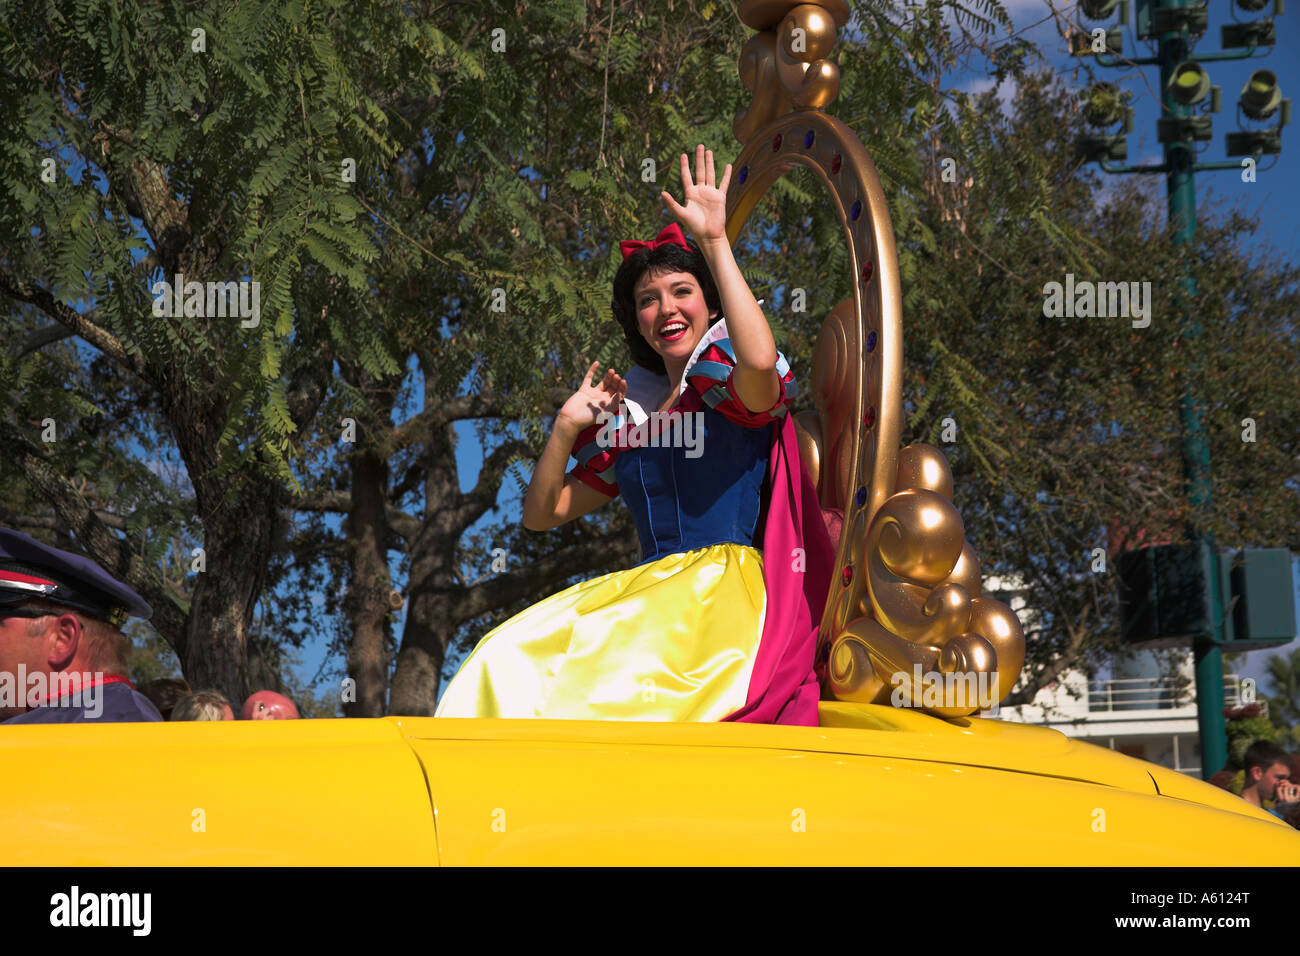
{"type": "Point", "coordinates": [1207, 650]}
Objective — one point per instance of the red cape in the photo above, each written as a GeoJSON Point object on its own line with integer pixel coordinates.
{"type": "Point", "coordinates": [798, 559]}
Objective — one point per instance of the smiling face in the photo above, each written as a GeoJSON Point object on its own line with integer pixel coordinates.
{"type": "Point", "coordinates": [671, 313]}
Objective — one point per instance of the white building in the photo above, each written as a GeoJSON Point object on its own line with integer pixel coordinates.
{"type": "Point", "coordinates": [1146, 709]}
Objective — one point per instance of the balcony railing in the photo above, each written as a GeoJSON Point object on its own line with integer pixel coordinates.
{"type": "Point", "coordinates": [1155, 693]}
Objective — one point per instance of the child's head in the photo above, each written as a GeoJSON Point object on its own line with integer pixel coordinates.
{"type": "Point", "coordinates": [654, 287]}
{"type": "Point", "coordinates": [203, 705]}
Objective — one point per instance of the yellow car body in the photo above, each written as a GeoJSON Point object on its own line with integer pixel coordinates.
{"type": "Point", "coordinates": [871, 786]}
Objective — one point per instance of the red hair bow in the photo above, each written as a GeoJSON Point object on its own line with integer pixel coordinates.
{"type": "Point", "coordinates": [670, 233]}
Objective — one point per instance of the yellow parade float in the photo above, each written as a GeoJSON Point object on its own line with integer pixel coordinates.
{"type": "Point", "coordinates": [928, 782]}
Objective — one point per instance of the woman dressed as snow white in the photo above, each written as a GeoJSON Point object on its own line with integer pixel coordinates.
{"type": "Point", "coordinates": [719, 619]}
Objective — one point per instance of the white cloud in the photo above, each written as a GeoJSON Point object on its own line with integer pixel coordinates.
{"type": "Point", "coordinates": [1028, 10]}
{"type": "Point", "coordinates": [1006, 92]}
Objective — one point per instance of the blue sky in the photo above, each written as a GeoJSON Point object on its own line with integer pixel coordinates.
{"type": "Point", "coordinates": [1273, 196]}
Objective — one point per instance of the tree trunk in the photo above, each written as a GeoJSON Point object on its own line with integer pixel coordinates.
{"type": "Point", "coordinates": [430, 618]}
{"type": "Point", "coordinates": [237, 547]}
{"type": "Point", "coordinates": [366, 605]}
{"type": "Point", "coordinates": [418, 674]}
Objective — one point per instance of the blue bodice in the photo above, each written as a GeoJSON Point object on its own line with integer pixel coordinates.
{"type": "Point", "coordinates": [681, 503]}
{"type": "Point", "coordinates": [704, 484]}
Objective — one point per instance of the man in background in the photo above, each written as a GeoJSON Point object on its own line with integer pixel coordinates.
{"type": "Point", "coordinates": [1268, 772]}
{"type": "Point", "coordinates": [62, 650]}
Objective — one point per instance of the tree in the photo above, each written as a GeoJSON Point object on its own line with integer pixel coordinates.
{"type": "Point", "coordinates": [206, 143]}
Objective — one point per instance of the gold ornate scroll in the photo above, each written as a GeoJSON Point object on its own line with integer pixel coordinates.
{"type": "Point", "coordinates": [784, 65]}
{"type": "Point", "coordinates": [905, 621]}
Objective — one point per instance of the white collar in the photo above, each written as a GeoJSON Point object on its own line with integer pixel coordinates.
{"type": "Point", "coordinates": [646, 388]}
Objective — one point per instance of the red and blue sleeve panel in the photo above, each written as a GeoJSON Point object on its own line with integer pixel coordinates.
{"type": "Point", "coordinates": [595, 467]}
{"type": "Point", "coordinates": [711, 377]}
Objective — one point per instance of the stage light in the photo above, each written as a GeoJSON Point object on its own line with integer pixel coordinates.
{"type": "Point", "coordinates": [1189, 83]}
{"type": "Point", "coordinates": [1098, 9]}
{"type": "Point", "coordinates": [1195, 20]}
{"type": "Point", "coordinates": [1261, 96]}
{"type": "Point", "coordinates": [1104, 106]}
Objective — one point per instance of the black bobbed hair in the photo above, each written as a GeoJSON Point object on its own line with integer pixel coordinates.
{"type": "Point", "coordinates": [668, 257]}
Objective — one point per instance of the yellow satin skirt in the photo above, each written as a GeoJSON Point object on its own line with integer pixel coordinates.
{"type": "Point", "coordinates": [672, 640]}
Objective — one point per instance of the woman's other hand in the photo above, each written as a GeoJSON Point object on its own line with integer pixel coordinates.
{"type": "Point", "coordinates": [705, 212]}
{"type": "Point", "coordinates": [585, 406]}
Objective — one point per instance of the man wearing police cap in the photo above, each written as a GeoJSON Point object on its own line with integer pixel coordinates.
{"type": "Point", "coordinates": [62, 650]}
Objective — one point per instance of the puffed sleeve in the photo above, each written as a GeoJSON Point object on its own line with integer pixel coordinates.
{"type": "Point", "coordinates": [711, 377]}
{"type": "Point", "coordinates": [595, 454]}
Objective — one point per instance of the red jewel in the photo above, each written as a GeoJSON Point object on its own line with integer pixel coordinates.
{"type": "Point", "coordinates": [869, 418]}
{"type": "Point", "coordinates": [867, 269]}
{"type": "Point", "coordinates": [836, 160]}
{"type": "Point", "coordinates": [776, 142]}
{"type": "Point", "coordinates": [846, 575]}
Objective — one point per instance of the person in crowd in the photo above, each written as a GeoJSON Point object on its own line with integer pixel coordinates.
{"type": "Point", "coordinates": [62, 650]}
{"type": "Point", "coordinates": [1268, 776]}
{"type": "Point", "coordinates": [165, 693]}
{"type": "Point", "coordinates": [268, 705]}
{"type": "Point", "coordinates": [203, 705]}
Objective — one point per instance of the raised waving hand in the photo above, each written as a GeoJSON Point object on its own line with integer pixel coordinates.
{"type": "Point", "coordinates": [705, 212]}
{"type": "Point", "coordinates": [586, 404]}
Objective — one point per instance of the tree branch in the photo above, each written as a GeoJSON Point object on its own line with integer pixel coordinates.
{"type": "Point", "coordinates": [507, 589]}
{"type": "Point", "coordinates": [340, 502]}
{"type": "Point", "coordinates": [79, 324]}
{"type": "Point", "coordinates": [42, 337]}
{"type": "Point", "coordinates": [418, 428]}
{"type": "Point", "coordinates": [52, 523]}
{"type": "Point", "coordinates": [471, 506]}
{"type": "Point", "coordinates": [413, 478]}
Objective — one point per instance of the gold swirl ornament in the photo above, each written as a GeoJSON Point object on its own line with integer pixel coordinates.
{"type": "Point", "coordinates": [785, 64]}
{"type": "Point", "coordinates": [905, 606]}
{"type": "Point", "coordinates": [926, 638]}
